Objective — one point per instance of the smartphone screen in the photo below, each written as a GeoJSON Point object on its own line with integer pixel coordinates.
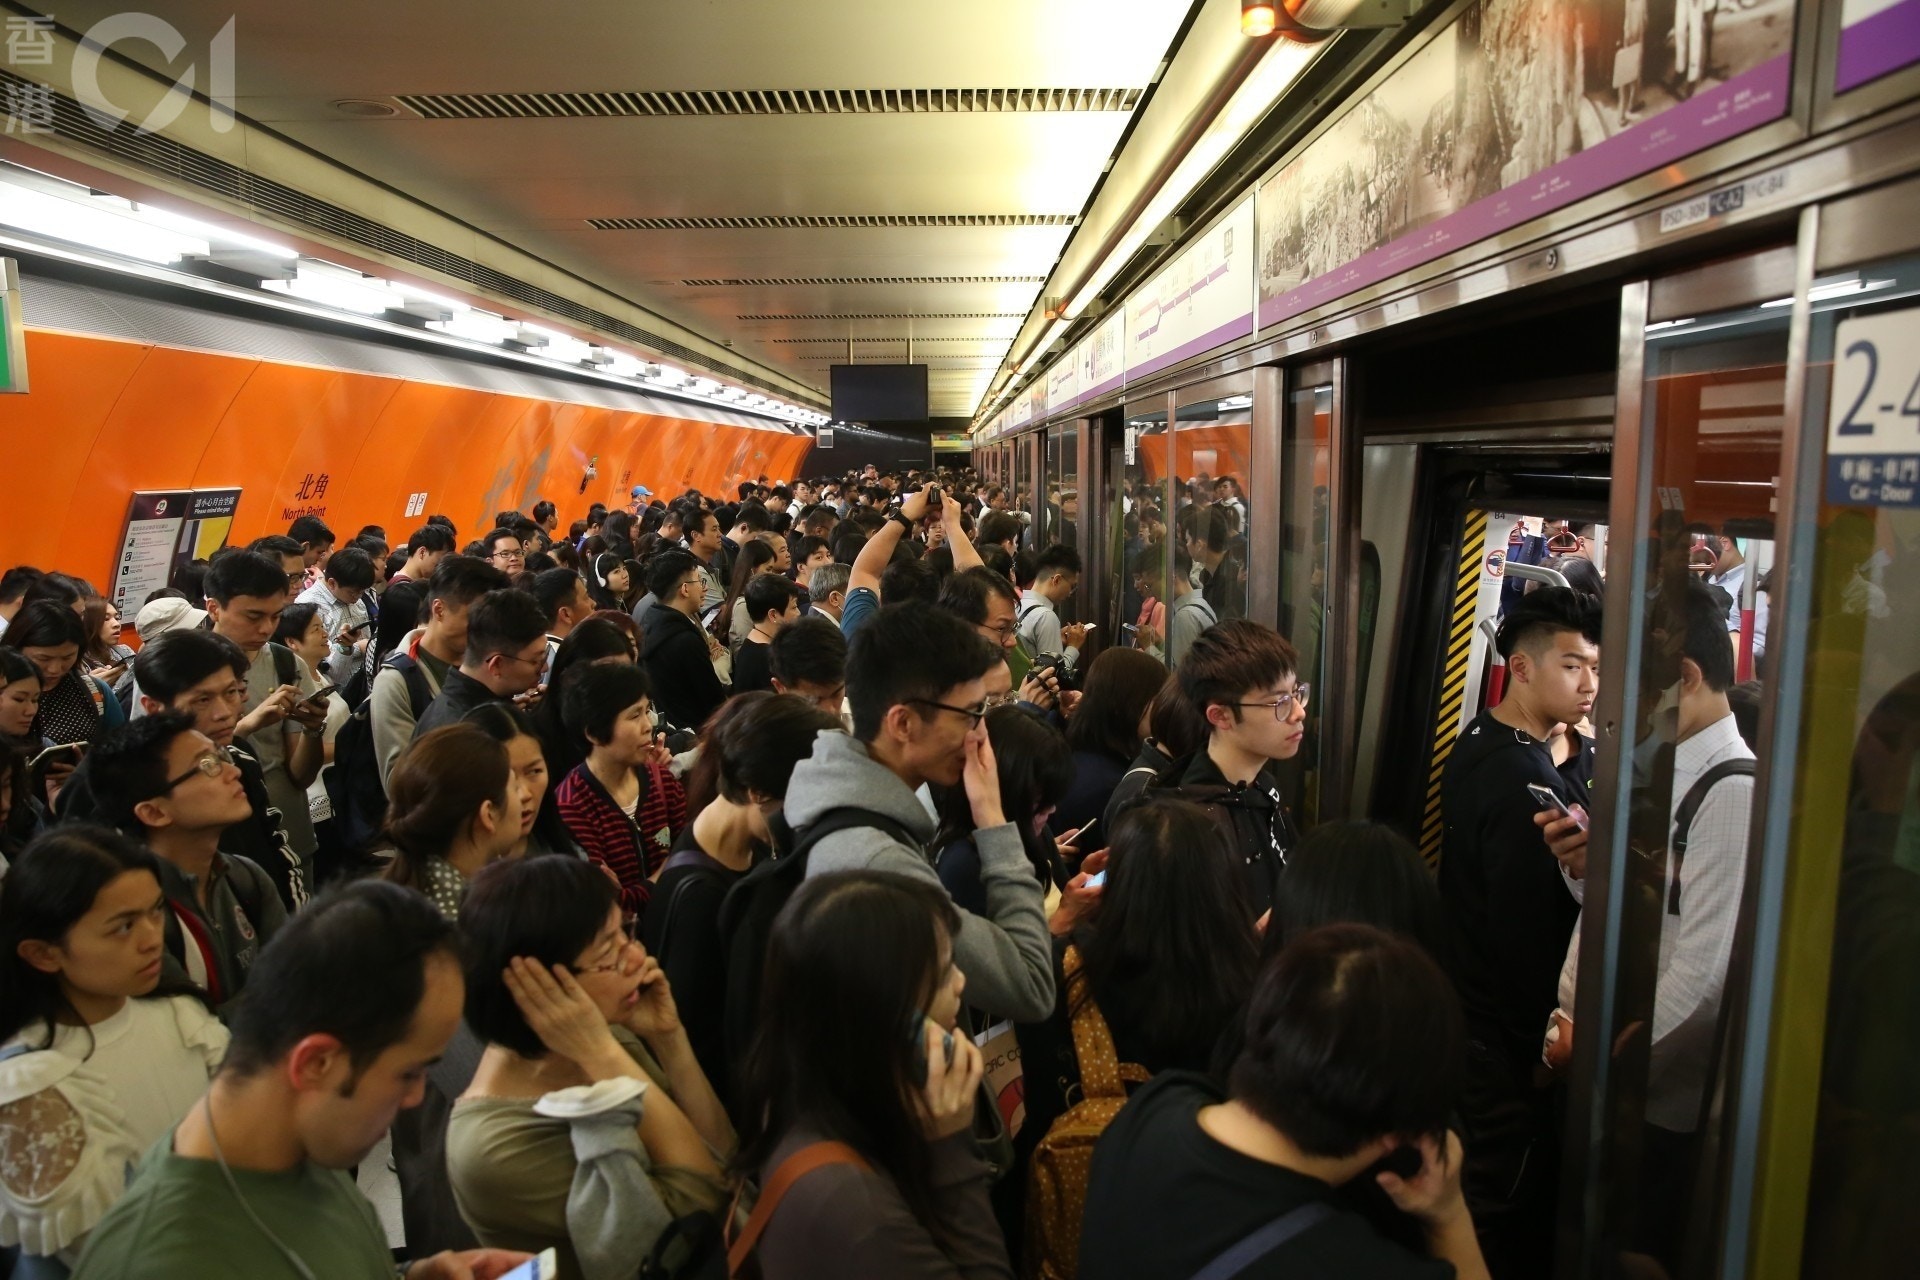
{"type": "Point", "coordinates": [542, 1266]}
{"type": "Point", "coordinates": [1549, 799]}
{"type": "Point", "coordinates": [1096, 880]}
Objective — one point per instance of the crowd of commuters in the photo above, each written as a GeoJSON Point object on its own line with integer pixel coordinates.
{"type": "Point", "coordinates": [684, 882]}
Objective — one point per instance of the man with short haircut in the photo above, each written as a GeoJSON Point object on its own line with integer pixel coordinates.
{"type": "Point", "coordinates": [316, 544]}
{"type": "Point", "coordinates": [999, 529]}
{"type": "Point", "coordinates": [1713, 771]}
{"type": "Point", "coordinates": [772, 604]}
{"type": "Point", "coordinates": [246, 594]}
{"type": "Point", "coordinates": [291, 555]}
{"type": "Point", "coordinates": [1222, 580]}
{"type": "Point", "coordinates": [1056, 578]}
{"type": "Point", "coordinates": [406, 592]}
{"type": "Point", "coordinates": [750, 520]}
{"type": "Point", "coordinates": [353, 1005]}
{"type": "Point", "coordinates": [1510, 907]}
{"type": "Point", "coordinates": [338, 597]}
{"type": "Point", "coordinates": [1188, 615]}
{"type": "Point", "coordinates": [414, 674]}
{"type": "Point", "coordinates": [164, 782]}
{"type": "Point", "coordinates": [1243, 680]}
{"type": "Point", "coordinates": [676, 650]}
{"type": "Point", "coordinates": [506, 647]}
{"type": "Point", "coordinates": [1353, 1051]}
{"type": "Point", "coordinates": [13, 590]}
{"type": "Point", "coordinates": [985, 601]}
{"type": "Point", "coordinates": [916, 684]}
{"type": "Point", "coordinates": [205, 676]}
{"type": "Point", "coordinates": [505, 551]}
{"type": "Point", "coordinates": [705, 541]}
{"type": "Point", "coordinates": [564, 601]}
{"type": "Point", "coordinates": [809, 659]}
{"type": "Point", "coordinates": [827, 590]}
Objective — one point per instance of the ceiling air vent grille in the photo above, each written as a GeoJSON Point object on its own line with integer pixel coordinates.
{"type": "Point", "coordinates": [760, 282]}
{"type": "Point", "coordinates": [68, 120]}
{"type": "Point", "coordinates": [792, 222]}
{"type": "Point", "coordinates": [889, 315]}
{"type": "Point", "coordinates": [762, 102]}
{"type": "Point", "coordinates": [809, 342]}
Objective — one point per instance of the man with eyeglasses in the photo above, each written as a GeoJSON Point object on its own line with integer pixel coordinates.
{"type": "Point", "coordinates": [506, 649]}
{"type": "Point", "coordinates": [916, 684]}
{"type": "Point", "coordinates": [1244, 679]}
{"type": "Point", "coordinates": [162, 780]}
{"type": "Point", "coordinates": [505, 551]}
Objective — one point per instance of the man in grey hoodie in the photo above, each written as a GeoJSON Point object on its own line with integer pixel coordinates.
{"type": "Point", "coordinates": [915, 683]}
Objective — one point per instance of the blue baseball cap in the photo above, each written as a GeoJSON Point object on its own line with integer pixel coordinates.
{"type": "Point", "coordinates": [641, 491]}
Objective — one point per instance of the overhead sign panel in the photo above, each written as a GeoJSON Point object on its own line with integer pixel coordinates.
{"type": "Point", "coordinates": [1202, 299]}
{"type": "Point", "coordinates": [1876, 37]}
{"type": "Point", "coordinates": [1505, 115]}
{"type": "Point", "coordinates": [1063, 380]}
{"type": "Point", "coordinates": [1102, 356]}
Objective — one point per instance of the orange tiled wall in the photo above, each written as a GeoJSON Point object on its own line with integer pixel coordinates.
{"type": "Point", "coordinates": [106, 417]}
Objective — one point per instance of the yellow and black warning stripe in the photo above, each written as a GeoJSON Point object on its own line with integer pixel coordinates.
{"type": "Point", "coordinates": [1453, 678]}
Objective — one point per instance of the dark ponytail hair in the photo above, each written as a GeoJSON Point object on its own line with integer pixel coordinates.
{"type": "Point", "coordinates": [436, 789]}
{"type": "Point", "coordinates": [45, 893]}
{"type": "Point", "coordinates": [852, 964]}
{"type": "Point", "coordinates": [754, 557]}
{"type": "Point", "coordinates": [1171, 952]}
{"type": "Point", "coordinates": [753, 742]}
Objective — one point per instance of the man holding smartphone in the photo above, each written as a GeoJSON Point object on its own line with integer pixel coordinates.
{"type": "Point", "coordinates": [1512, 911]}
{"type": "Point", "coordinates": [340, 597]}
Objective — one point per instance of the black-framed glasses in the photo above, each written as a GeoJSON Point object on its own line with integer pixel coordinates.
{"type": "Point", "coordinates": [1282, 704]}
{"type": "Point", "coordinates": [509, 555]}
{"type": "Point", "coordinates": [210, 765]}
{"type": "Point", "coordinates": [537, 659]}
{"type": "Point", "coordinates": [974, 714]}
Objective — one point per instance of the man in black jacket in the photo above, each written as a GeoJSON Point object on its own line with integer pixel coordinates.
{"type": "Point", "coordinates": [1512, 910]}
{"type": "Point", "coordinates": [1242, 678]}
{"type": "Point", "coordinates": [506, 649]}
{"type": "Point", "coordinates": [677, 652]}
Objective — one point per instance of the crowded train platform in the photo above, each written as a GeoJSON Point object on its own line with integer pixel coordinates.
{"type": "Point", "coordinates": [1136, 640]}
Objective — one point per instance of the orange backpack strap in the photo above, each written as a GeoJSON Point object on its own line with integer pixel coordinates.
{"type": "Point", "coordinates": [1101, 1072]}
{"type": "Point", "coordinates": [815, 1155]}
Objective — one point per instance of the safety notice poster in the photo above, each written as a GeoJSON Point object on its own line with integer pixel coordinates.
{"type": "Point", "coordinates": [165, 530]}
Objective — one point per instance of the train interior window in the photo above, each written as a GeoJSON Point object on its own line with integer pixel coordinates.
{"type": "Point", "coordinates": [1145, 601]}
{"type": "Point", "coordinates": [1212, 441]}
{"type": "Point", "coordinates": [1862, 705]}
{"type": "Point", "coordinates": [1388, 482]}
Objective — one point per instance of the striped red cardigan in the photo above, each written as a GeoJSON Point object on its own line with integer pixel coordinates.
{"type": "Point", "coordinates": [634, 849]}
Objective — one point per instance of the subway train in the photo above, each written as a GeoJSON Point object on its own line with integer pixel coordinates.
{"type": "Point", "coordinates": [1394, 317]}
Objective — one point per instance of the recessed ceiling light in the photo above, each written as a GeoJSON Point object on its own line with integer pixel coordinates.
{"type": "Point", "coordinates": [366, 108]}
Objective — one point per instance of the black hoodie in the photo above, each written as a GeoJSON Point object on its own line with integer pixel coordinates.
{"type": "Point", "coordinates": [1251, 815]}
{"type": "Point", "coordinates": [1510, 910]}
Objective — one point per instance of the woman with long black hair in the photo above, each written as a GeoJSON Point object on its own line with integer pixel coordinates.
{"type": "Point", "coordinates": [97, 1061]}
{"type": "Point", "coordinates": [75, 708]}
{"type": "Point", "coordinates": [1035, 771]}
{"type": "Point", "coordinates": [856, 1047]}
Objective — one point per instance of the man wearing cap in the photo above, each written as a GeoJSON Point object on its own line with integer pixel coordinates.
{"type": "Point", "coordinates": [640, 494]}
{"type": "Point", "coordinates": [155, 619]}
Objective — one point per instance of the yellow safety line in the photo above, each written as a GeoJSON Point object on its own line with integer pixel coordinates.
{"type": "Point", "coordinates": [1453, 678]}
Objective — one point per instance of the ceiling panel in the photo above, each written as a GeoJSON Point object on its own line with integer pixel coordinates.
{"type": "Point", "coordinates": [825, 159]}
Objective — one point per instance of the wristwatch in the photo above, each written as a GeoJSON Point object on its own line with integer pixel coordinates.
{"type": "Point", "coordinates": [900, 517]}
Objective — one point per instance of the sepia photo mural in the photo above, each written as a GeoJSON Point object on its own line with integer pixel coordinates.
{"type": "Point", "coordinates": [1517, 108]}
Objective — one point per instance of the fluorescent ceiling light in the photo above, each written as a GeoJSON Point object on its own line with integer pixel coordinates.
{"type": "Point", "coordinates": [477, 326]}
{"type": "Point", "coordinates": [1257, 94]}
{"type": "Point", "coordinates": [334, 287]}
{"type": "Point", "coordinates": [224, 237]}
{"type": "Point", "coordinates": [79, 222]}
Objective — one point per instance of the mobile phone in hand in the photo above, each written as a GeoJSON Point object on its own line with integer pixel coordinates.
{"type": "Point", "coordinates": [1547, 798]}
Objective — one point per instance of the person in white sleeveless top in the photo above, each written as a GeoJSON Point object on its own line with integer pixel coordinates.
{"type": "Point", "coordinates": [96, 1061]}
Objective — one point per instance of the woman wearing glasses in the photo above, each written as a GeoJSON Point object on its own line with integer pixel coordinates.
{"type": "Point", "coordinates": [99, 1054]}
{"type": "Point", "coordinates": [589, 1125]}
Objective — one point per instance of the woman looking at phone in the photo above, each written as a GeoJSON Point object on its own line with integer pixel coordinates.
{"type": "Point", "coordinates": [74, 707]}
{"type": "Point", "coordinates": [856, 1046]}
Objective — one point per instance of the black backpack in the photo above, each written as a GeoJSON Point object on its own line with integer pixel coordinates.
{"type": "Point", "coordinates": [747, 914]}
{"type": "Point", "coordinates": [354, 786]}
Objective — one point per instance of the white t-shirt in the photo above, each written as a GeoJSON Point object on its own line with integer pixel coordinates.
{"type": "Point", "coordinates": [142, 1056]}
